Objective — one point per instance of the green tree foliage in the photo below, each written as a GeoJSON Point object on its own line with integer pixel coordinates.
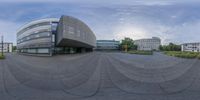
{"type": "Point", "coordinates": [170, 47]}
{"type": "Point", "coordinates": [14, 48]}
{"type": "Point", "coordinates": [1, 56]}
{"type": "Point", "coordinates": [130, 44]}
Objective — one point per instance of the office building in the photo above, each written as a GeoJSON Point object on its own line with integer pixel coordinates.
{"type": "Point", "coordinates": [191, 47]}
{"type": "Point", "coordinates": [107, 45]}
{"type": "Point", "coordinates": [55, 36]}
{"type": "Point", "coordinates": [148, 44]}
{"type": "Point", "coordinates": [7, 47]}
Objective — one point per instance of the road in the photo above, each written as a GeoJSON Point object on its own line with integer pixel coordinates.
{"type": "Point", "coordinates": [99, 76]}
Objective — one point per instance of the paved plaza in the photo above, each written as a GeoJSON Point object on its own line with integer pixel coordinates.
{"type": "Point", "coordinates": [99, 76]}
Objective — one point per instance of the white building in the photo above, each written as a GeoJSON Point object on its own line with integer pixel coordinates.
{"type": "Point", "coordinates": [148, 44]}
{"type": "Point", "coordinates": [7, 47]}
{"type": "Point", "coordinates": [192, 47]}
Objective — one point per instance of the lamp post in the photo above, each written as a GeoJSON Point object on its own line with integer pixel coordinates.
{"type": "Point", "coordinates": [2, 45]}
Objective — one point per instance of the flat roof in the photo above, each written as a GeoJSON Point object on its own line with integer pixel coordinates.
{"type": "Point", "coordinates": [107, 41]}
{"type": "Point", "coordinates": [191, 43]}
{"type": "Point", "coordinates": [157, 38]}
{"type": "Point", "coordinates": [7, 43]}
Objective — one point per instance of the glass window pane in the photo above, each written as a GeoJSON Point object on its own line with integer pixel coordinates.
{"type": "Point", "coordinates": [43, 50]}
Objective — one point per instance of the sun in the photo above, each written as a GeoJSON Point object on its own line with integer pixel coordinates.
{"type": "Point", "coordinates": [129, 31]}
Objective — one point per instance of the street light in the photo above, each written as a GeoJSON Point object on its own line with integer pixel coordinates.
{"type": "Point", "coordinates": [2, 45]}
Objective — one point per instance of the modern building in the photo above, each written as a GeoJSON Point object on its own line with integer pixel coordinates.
{"type": "Point", "coordinates": [107, 45]}
{"type": "Point", "coordinates": [148, 44]}
{"type": "Point", "coordinates": [7, 47]}
{"type": "Point", "coordinates": [192, 47]}
{"type": "Point", "coordinates": [55, 36]}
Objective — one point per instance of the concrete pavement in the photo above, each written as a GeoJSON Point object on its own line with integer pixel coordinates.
{"type": "Point", "coordinates": [99, 76]}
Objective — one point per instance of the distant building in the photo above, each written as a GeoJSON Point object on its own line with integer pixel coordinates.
{"type": "Point", "coordinates": [107, 45]}
{"type": "Point", "coordinates": [148, 44]}
{"type": "Point", "coordinates": [192, 47]}
{"type": "Point", "coordinates": [7, 47]}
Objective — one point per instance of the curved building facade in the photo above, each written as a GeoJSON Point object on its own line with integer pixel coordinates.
{"type": "Point", "coordinates": [51, 36]}
{"type": "Point", "coordinates": [73, 32]}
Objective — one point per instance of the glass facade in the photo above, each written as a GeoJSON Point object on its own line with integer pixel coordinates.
{"type": "Point", "coordinates": [37, 38]}
{"type": "Point", "coordinates": [107, 45]}
{"type": "Point", "coordinates": [35, 50]}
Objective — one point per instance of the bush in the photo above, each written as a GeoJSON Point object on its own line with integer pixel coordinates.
{"type": "Point", "coordinates": [182, 54]}
{"type": "Point", "coordinates": [198, 56]}
{"type": "Point", "coordinates": [141, 52]}
{"type": "Point", "coordinates": [1, 56]}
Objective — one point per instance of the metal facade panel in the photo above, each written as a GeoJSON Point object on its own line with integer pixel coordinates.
{"type": "Point", "coordinates": [73, 32]}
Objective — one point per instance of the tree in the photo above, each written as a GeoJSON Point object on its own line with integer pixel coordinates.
{"type": "Point", "coordinates": [170, 47]}
{"type": "Point", "coordinates": [14, 48]}
{"type": "Point", "coordinates": [129, 43]}
{"type": "Point", "coordinates": [161, 47]}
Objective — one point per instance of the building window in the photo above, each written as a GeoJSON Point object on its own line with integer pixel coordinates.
{"type": "Point", "coordinates": [54, 26]}
{"type": "Point", "coordinates": [37, 36]}
{"type": "Point", "coordinates": [78, 33]}
{"type": "Point", "coordinates": [32, 51]}
{"type": "Point", "coordinates": [83, 35]}
{"type": "Point", "coordinates": [71, 30]}
{"type": "Point", "coordinates": [43, 50]}
{"type": "Point", "coordinates": [43, 34]}
{"type": "Point", "coordinates": [53, 38]}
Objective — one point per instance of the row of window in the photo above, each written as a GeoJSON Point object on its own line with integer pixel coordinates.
{"type": "Point", "coordinates": [108, 43]}
{"type": "Point", "coordinates": [149, 40]}
{"type": "Point", "coordinates": [4, 48]}
{"type": "Point", "coordinates": [147, 47]}
{"type": "Point", "coordinates": [34, 31]}
{"type": "Point", "coordinates": [33, 26]}
{"type": "Point", "coordinates": [195, 44]}
{"type": "Point", "coordinates": [107, 47]}
{"type": "Point", "coordinates": [36, 51]}
{"type": "Point", "coordinates": [48, 27]}
{"type": "Point", "coordinates": [34, 36]}
{"type": "Point", "coordinates": [5, 45]}
{"type": "Point", "coordinates": [192, 47]}
{"type": "Point", "coordinates": [72, 30]}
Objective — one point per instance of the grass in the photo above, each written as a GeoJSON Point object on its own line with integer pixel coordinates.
{"type": "Point", "coordinates": [1, 56]}
{"type": "Point", "coordinates": [189, 55]}
{"type": "Point", "coordinates": [198, 56]}
{"type": "Point", "coordinates": [141, 52]}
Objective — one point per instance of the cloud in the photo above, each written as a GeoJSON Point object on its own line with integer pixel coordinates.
{"type": "Point", "coordinates": [171, 22]}
{"type": "Point", "coordinates": [187, 32]}
{"type": "Point", "coordinates": [8, 30]}
{"type": "Point", "coordinates": [104, 2]}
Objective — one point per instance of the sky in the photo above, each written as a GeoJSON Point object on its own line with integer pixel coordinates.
{"type": "Point", "coordinates": [176, 21]}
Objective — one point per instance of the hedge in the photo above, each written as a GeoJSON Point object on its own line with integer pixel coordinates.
{"type": "Point", "coordinates": [1, 56]}
{"type": "Point", "coordinates": [141, 52]}
{"type": "Point", "coordinates": [183, 54]}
